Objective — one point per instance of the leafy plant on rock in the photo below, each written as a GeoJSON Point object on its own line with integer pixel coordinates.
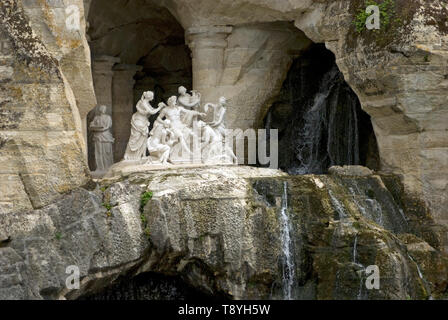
{"type": "Point", "coordinates": [387, 10]}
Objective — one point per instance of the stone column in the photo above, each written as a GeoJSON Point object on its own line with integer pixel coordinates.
{"type": "Point", "coordinates": [102, 81]}
{"type": "Point", "coordinates": [122, 105]}
{"type": "Point", "coordinates": [207, 44]}
{"type": "Point", "coordinates": [246, 64]}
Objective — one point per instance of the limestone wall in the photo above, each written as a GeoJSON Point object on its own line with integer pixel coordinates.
{"type": "Point", "coordinates": [400, 77]}
{"type": "Point", "coordinates": [45, 86]}
{"type": "Point", "coordinates": [247, 64]}
{"type": "Point", "coordinates": [239, 49]}
{"type": "Point", "coordinates": [219, 229]}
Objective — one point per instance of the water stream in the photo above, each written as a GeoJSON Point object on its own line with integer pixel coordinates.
{"type": "Point", "coordinates": [422, 277]}
{"type": "Point", "coordinates": [329, 134]}
{"type": "Point", "coordinates": [288, 265]}
{"type": "Point", "coordinates": [355, 248]}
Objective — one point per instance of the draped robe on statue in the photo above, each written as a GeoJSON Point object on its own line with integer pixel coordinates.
{"type": "Point", "coordinates": [136, 148]}
{"type": "Point", "coordinates": [103, 140]}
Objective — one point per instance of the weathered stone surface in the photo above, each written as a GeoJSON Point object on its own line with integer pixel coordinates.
{"type": "Point", "coordinates": [47, 89]}
{"type": "Point", "coordinates": [43, 153]}
{"type": "Point", "coordinates": [399, 74]}
{"type": "Point", "coordinates": [218, 229]}
{"type": "Point", "coordinates": [399, 77]}
{"type": "Point", "coordinates": [359, 171]}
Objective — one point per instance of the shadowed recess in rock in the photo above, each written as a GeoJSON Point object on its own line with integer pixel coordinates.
{"type": "Point", "coordinates": [320, 119]}
{"type": "Point", "coordinates": [148, 286]}
{"type": "Point", "coordinates": [136, 46]}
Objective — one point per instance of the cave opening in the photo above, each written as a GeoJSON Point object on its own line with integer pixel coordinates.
{"type": "Point", "coordinates": [136, 46]}
{"type": "Point", "coordinates": [319, 118]}
{"type": "Point", "coordinates": [150, 286]}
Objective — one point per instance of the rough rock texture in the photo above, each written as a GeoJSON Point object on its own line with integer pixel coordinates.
{"type": "Point", "coordinates": [218, 229]}
{"type": "Point", "coordinates": [242, 49]}
{"type": "Point", "coordinates": [399, 74]}
{"type": "Point", "coordinates": [41, 149]}
{"type": "Point", "coordinates": [359, 171]}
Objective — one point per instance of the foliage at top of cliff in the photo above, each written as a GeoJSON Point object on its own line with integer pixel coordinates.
{"type": "Point", "coordinates": [397, 17]}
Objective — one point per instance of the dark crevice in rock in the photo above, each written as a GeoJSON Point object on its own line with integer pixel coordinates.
{"type": "Point", "coordinates": [149, 286]}
{"type": "Point", "coordinates": [319, 118]}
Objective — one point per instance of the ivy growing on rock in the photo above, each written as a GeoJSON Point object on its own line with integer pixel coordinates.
{"type": "Point", "coordinates": [387, 10]}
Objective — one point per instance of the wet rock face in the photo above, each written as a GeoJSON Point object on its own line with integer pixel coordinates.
{"type": "Point", "coordinates": [219, 230]}
{"type": "Point", "coordinates": [319, 118]}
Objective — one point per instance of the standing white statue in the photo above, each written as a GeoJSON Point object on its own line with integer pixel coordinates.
{"type": "Point", "coordinates": [219, 113]}
{"type": "Point", "coordinates": [214, 147]}
{"type": "Point", "coordinates": [136, 148]}
{"type": "Point", "coordinates": [190, 102]}
{"type": "Point", "coordinates": [103, 139]}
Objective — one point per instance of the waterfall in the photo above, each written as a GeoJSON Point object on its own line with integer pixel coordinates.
{"type": "Point", "coordinates": [288, 265]}
{"type": "Point", "coordinates": [328, 134]}
{"type": "Point", "coordinates": [355, 248]}
{"type": "Point", "coordinates": [339, 207]}
{"type": "Point", "coordinates": [381, 209]}
{"type": "Point", "coordinates": [362, 271]}
{"type": "Point", "coordinates": [420, 275]}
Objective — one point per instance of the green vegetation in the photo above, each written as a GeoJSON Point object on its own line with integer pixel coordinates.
{"type": "Point", "coordinates": [144, 199]}
{"type": "Point", "coordinates": [146, 196]}
{"type": "Point", "coordinates": [143, 219]}
{"type": "Point", "coordinates": [58, 235]}
{"type": "Point", "coordinates": [108, 207]}
{"type": "Point", "coordinates": [387, 10]}
{"type": "Point", "coordinates": [107, 201]}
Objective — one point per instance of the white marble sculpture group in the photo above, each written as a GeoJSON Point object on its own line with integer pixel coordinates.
{"type": "Point", "coordinates": [178, 136]}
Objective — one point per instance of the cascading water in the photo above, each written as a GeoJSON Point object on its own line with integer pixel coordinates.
{"type": "Point", "coordinates": [420, 275]}
{"type": "Point", "coordinates": [319, 118]}
{"type": "Point", "coordinates": [337, 204]}
{"type": "Point", "coordinates": [288, 264]}
{"type": "Point", "coordinates": [360, 295]}
{"type": "Point", "coordinates": [355, 245]}
{"type": "Point", "coordinates": [377, 206]}
{"type": "Point", "coordinates": [330, 133]}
